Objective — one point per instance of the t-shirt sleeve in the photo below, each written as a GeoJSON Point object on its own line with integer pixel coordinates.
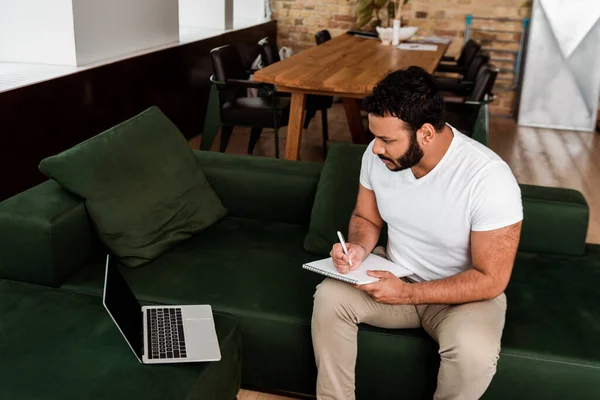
{"type": "Point", "coordinates": [366, 166]}
{"type": "Point", "coordinates": [496, 198]}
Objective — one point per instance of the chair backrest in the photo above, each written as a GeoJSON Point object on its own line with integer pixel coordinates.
{"type": "Point", "coordinates": [322, 36]}
{"type": "Point", "coordinates": [471, 50]}
{"type": "Point", "coordinates": [479, 61]}
{"type": "Point", "coordinates": [468, 52]}
{"type": "Point", "coordinates": [227, 63]}
{"type": "Point", "coordinates": [268, 52]}
{"type": "Point", "coordinates": [484, 83]}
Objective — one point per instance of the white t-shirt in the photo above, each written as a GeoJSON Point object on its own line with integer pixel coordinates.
{"type": "Point", "coordinates": [430, 219]}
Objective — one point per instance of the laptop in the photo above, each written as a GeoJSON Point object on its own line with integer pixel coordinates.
{"type": "Point", "coordinates": [159, 334]}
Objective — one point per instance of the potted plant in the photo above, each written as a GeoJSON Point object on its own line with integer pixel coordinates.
{"type": "Point", "coordinates": [368, 12]}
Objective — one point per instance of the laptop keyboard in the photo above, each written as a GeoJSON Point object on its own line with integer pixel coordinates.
{"type": "Point", "coordinates": [165, 328]}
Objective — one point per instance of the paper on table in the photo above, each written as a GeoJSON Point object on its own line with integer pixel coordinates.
{"type": "Point", "coordinates": [429, 39]}
{"type": "Point", "coordinates": [437, 39]}
{"type": "Point", "coordinates": [417, 46]}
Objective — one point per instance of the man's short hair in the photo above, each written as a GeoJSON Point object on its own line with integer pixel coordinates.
{"type": "Point", "coordinates": [411, 95]}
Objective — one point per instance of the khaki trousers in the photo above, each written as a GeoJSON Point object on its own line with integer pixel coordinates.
{"type": "Point", "coordinates": [468, 336]}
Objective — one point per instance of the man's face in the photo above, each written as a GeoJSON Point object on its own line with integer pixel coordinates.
{"type": "Point", "coordinates": [394, 144]}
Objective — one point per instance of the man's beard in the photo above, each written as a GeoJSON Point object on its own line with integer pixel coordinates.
{"type": "Point", "coordinates": [409, 159]}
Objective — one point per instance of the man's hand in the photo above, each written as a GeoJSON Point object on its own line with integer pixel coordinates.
{"type": "Point", "coordinates": [356, 253]}
{"type": "Point", "coordinates": [389, 290]}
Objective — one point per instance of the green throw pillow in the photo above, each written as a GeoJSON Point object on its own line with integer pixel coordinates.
{"type": "Point", "coordinates": [335, 198]}
{"type": "Point", "coordinates": [141, 185]}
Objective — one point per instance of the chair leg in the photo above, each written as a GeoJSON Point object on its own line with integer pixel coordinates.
{"type": "Point", "coordinates": [226, 132]}
{"type": "Point", "coordinates": [276, 141]}
{"type": "Point", "coordinates": [254, 136]}
{"type": "Point", "coordinates": [310, 113]}
{"type": "Point", "coordinates": [325, 131]}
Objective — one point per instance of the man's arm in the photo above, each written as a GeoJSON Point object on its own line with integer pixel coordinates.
{"type": "Point", "coordinates": [365, 222]}
{"type": "Point", "coordinates": [493, 255]}
{"type": "Point", "coordinates": [365, 227]}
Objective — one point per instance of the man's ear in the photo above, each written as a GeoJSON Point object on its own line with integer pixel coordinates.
{"type": "Point", "coordinates": [426, 134]}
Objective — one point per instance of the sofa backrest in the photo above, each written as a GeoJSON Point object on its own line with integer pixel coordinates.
{"type": "Point", "coordinates": [46, 233]}
{"type": "Point", "coordinates": [481, 130]}
{"type": "Point", "coordinates": [262, 188]}
{"type": "Point", "coordinates": [555, 220]}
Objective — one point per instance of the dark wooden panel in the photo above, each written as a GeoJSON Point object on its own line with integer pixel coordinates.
{"type": "Point", "coordinates": [43, 119]}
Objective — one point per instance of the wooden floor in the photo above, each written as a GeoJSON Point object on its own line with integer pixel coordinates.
{"type": "Point", "coordinates": [547, 157]}
{"type": "Point", "coordinates": [557, 158]}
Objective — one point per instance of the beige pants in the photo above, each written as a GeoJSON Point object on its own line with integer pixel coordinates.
{"type": "Point", "coordinates": [468, 336]}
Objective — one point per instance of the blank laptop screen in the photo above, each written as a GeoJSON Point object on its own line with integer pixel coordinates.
{"type": "Point", "coordinates": [124, 308]}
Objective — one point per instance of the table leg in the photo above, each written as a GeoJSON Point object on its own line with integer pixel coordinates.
{"type": "Point", "coordinates": [355, 123]}
{"type": "Point", "coordinates": [294, 131]}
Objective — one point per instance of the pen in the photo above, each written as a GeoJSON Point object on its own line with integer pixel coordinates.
{"type": "Point", "coordinates": [343, 243]}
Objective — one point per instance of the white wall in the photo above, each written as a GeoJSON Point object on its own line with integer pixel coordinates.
{"type": "Point", "coordinates": [37, 31]}
{"type": "Point", "coordinates": [248, 11]}
{"type": "Point", "coordinates": [109, 28]}
{"type": "Point", "coordinates": [216, 14]}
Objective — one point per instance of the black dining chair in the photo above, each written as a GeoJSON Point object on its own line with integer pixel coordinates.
{"type": "Point", "coordinates": [314, 103]}
{"type": "Point", "coordinates": [462, 111]}
{"type": "Point", "coordinates": [460, 65]}
{"type": "Point", "coordinates": [322, 36]}
{"type": "Point", "coordinates": [236, 108]}
{"type": "Point", "coordinates": [464, 86]}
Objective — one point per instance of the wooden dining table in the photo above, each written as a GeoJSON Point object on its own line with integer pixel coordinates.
{"type": "Point", "coordinates": [347, 66]}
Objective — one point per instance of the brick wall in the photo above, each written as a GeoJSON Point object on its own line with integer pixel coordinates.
{"type": "Point", "coordinates": [299, 20]}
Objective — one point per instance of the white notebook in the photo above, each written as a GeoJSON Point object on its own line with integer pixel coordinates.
{"type": "Point", "coordinates": [358, 276]}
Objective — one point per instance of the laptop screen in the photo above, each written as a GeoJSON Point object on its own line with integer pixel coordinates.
{"type": "Point", "coordinates": [123, 307]}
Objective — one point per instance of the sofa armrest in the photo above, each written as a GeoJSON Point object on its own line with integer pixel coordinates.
{"type": "Point", "coordinates": [555, 221]}
{"type": "Point", "coordinates": [45, 235]}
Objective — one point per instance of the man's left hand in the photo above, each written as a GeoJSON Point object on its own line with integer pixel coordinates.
{"type": "Point", "coordinates": [389, 290]}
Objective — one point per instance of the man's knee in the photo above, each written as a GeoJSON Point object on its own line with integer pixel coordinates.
{"type": "Point", "coordinates": [474, 352]}
{"type": "Point", "coordinates": [331, 301]}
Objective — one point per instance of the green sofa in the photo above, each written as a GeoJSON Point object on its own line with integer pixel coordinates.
{"type": "Point", "coordinates": [248, 265]}
{"type": "Point", "coordinates": [56, 344]}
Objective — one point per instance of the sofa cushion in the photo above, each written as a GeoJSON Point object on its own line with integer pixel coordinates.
{"type": "Point", "coordinates": [555, 221]}
{"type": "Point", "coordinates": [236, 265]}
{"type": "Point", "coordinates": [263, 188]}
{"type": "Point", "coordinates": [335, 198]}
{"type": "Point", "coordinates": [61, 345]}
{"type": "Point", "coordinates": [141, 185]}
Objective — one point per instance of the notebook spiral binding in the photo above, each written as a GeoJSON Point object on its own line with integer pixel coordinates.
{"type": "Point", "coordinates": [330, 275]}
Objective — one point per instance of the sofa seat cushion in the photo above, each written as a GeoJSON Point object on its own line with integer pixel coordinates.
{"type": "Point", "coordinates": [253, 270]}
{"type": "Point", "coordinates": [237, 265]}
{"type": "Point", "coordinates": [553, 310]}
{"type": "Point", "coordinates": [61, 345]}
